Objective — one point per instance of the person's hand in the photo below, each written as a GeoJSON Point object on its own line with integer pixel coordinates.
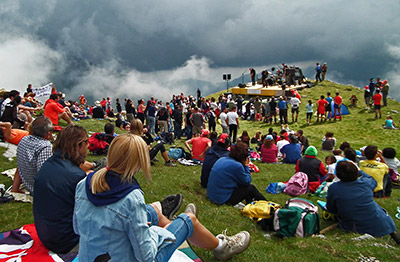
{"type": "Point", "coordinates": [145, 130]}
{"type": "Point", "coordinates": [86, 166]}
{"type": "Point", "coordinates": [247, 161]}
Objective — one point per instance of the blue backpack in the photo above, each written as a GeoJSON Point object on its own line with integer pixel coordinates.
{"type": "Point", "coordinates": [175, 153]}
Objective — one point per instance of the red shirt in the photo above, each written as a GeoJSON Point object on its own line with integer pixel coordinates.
{"type": "Point", "coordinates": [269, 154]}
{"type": "Point", "coordinates": [321, 105]}
{"type": "Point", "coordinates": [338, 100]}
{"type": "Point", "coordinates": [199, 144]}
{"type": "Point", "coordinates": [52, 109]}
{"type": "Point", "coordinates": [377, 99]}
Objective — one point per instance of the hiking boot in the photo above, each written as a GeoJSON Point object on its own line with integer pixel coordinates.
{"type": "Point", "coordinates": [232, 245]}
{"type": "Point", "coordinates": [191, 208]}
{"type": "Point", "coordinates": [170, 205]}
{"type": "Point", "coordinates": [169, 163]}
{"type": "Point", "coordinates": [155, 159]}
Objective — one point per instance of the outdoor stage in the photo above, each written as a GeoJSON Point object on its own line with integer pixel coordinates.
{"type": "Point", "coordinates": [259, 90]}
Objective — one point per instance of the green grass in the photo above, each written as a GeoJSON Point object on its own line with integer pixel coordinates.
{"type": "Point", "coordinates": [359, 128]}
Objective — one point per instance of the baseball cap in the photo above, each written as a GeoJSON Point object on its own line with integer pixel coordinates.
{"type": "Point", "coordinates": [224, 139]}
{"type": "Point", "coordinates": [269, 137]}
{"type": "Point", "coordinates": [205, 132]}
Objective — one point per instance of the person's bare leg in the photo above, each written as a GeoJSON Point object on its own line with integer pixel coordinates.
{"type": "Point", "coordinates": [28, 115]}
{"type": "Point", "coordinates": [201, 236]}
{"type": "Point", "coordinates": [69, 113]}
{"type": "Point", "coordinates": [165, 156]}
{"type": "Point", "coordinates": [16, 183]}
{"type": "Point", "coordinates": [163, 221]}
{"type": "Point", "coordinates": [65, 117]}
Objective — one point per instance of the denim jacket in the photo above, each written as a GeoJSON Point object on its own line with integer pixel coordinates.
{"type": "Point", "coordinates": [120, 229]}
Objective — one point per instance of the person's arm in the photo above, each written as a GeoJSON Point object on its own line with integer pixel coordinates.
{"type": "Point", "coordinates": [187, 142]}
{"type": "Point", "coordinates": [297, 167]}
{"type": "Point", "coordinates": [243, 174]}
{"type": "Point", "coordinates": [322, 169]}
{"type": "Point", "coordinates": [209, 144]}
{"type": "Point", "coordinates": [330, 200]}
{"type": "Point", "coordinates": [87, 167]}
{"type": "Point", "coordinates": [369, 179]}
{"type": "Point", "coordinates": [237, 122]}
{"type": "Point", "coordinates": [6, 130]}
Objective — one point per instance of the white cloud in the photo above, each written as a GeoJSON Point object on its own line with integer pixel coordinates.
{"type": "Point", "coordinates": [25, 60]}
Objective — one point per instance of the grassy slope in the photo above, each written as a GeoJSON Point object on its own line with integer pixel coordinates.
{"type": "Point", "coordinates": [359, 128]}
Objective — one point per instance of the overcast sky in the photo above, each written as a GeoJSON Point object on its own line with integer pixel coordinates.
{"type": "Point", "coordinates": [143, 48]}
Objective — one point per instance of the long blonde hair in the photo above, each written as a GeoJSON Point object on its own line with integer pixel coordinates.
{"type": "Point", "coordinates": [127, 154]}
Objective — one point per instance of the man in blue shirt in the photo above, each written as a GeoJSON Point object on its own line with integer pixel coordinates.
{"type": "Point", "coordinates": [282, 105]}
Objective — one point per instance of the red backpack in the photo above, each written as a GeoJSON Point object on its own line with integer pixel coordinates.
{"type": "Point", "coordinates": [97, 144]}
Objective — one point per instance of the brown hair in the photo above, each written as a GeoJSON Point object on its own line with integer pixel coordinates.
{"type": "Point", "coordinates": [69, 141]}
{"type": "Point", "coordinates": [346, 171]}
{"type": "Point", "coordinates": [239, 152]}
{"type": "Point", "coordinates": [268, 143]}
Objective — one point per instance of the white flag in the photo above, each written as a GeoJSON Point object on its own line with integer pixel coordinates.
{"type": "Point", "coordinates": [43, 91]}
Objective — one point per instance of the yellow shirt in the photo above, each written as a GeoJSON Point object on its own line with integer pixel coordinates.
{"type": "Point", "coordinates": [375, 169]}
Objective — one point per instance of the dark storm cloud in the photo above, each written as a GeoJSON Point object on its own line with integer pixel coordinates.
{"type": "Point", "coordinates": [142, 46]}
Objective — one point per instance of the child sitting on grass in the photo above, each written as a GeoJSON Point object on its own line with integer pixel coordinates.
{"type": "Point", "coordinates": [351, 199]}
{"type": "Point", "coordinates": [328, 142]}
{"type": "Point", "coordinates": [378, 170]}
{"type": "Point", "coordinates": [389, 155]}
{"type": "Point", "coordinates": [330, 162]}
{"type": "Point", "coordinates": [389, 123]}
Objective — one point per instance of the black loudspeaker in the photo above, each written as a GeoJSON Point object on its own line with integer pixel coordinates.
{"type": "Point", "coordinates": [224, 77]}
{"type": "Point", "coordinates": [229, 76]}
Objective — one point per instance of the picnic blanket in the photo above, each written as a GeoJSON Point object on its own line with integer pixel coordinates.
{"type": "Point", "coordinates": [26, 197]}
{"type": "Point", "coordinates": [11, 151]}
{"type": "Point", "coordinates": [24, 245]}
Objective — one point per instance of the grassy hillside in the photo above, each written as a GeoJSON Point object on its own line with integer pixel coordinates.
{"type": "Point", "coordinates": [359, 129]}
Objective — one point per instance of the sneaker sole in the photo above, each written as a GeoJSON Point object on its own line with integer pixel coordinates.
{"type": "Point", "coordinates": [173, 212]}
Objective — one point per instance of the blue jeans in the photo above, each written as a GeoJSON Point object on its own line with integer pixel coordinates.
{"type": "Point", "coordinates": [189, 130]}
{"type": "Point", "coordinates": [181, 227]}
{"type": "Point", "coordinates": [151, 121]}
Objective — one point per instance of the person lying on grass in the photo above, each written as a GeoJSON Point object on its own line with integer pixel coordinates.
{"type": "Point", "coordinates": [111, 200]}
{"type": "Point", "coordinates": [351, 199]}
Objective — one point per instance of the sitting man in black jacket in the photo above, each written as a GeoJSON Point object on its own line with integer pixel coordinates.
{"type": "Point", "coordinates": [212, 155]}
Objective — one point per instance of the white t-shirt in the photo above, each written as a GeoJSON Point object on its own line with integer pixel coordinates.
{"type": "Point", "coordinates": [280, 144]}
{"type": "Point", "coordinates": [295, 102]}
{"type": "Point", "coordinates": [393, 163]}
{"type": "Point", "coordinates": [232, 116]}
{"type": "Point", "coordinates": [223, 117]}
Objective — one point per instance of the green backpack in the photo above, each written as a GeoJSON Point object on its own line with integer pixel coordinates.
{"type": "Point", "coordinates": [298, 218]}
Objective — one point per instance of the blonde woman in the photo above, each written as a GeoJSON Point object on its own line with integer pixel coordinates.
{"type": "Point", "coordinates": [114, 222]}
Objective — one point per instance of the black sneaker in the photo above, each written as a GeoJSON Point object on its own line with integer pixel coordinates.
{"type": "Point", "coordinates": [170, 205]}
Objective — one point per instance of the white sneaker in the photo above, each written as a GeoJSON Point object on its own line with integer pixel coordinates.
{"type": "Point", "coordinates": [239, 205]}
{"type": "Point", "coordinates": [191, 208]}
{"type": "Point", "coordinates": [232, 245]}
